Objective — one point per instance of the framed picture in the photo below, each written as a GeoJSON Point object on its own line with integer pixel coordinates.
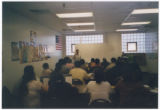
{"type": "Point", "coordinates": [73, 48]}
{"type": "Point", "coordinates": [15, 51]}
{"type": "Point", "coordinates": [131, 46]}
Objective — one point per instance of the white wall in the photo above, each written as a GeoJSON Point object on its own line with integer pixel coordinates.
{"type": "Point", "coordinates": [110, 48]}
{"type": "Point", "coordinates": [17, 28]}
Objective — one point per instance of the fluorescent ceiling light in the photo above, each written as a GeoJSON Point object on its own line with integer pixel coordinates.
{"type": "Point", "coordinates": [145, 11]}
{"type": "Point", "coordinates": [86, 30]}
{"type": "Point", "coordinates": [126, 30]}
{"type": "Point", "coordinates": [80, 24]}
{"type": "Point", "coordinates": [75, 15]}
{"type": "Point", "coordinates": [136, 23]}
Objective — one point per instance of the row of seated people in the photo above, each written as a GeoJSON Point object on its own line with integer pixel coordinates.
{"type": "Point", "coordinates": [104, 85]}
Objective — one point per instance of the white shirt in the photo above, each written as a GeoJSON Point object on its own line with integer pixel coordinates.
{"type": "Point", "coordinates": [46, 72]}
{"type": "Point", "coordinates": [32, 100]}
{"type": "Point", "coordinates": [99, 91]}
{"type": "Point", "coordinates": [76, 57]}
{"type": "Point", "coordinates": [79, 73]}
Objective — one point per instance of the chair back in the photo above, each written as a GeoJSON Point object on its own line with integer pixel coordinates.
{"type": "Point", "coordinates": [100, 103]}
{"type": "Point", "coordinates": [77, 82]}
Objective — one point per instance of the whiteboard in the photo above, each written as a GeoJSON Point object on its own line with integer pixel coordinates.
{"type": "Point", "coordinates": [88, 51]}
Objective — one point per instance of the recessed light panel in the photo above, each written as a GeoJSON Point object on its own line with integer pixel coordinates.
{"type": "Point", "coordinates": [119, 30]}
{"type": "Point", "coordinates": [75, 15]}
{"type": "Point", "coordinates": [87, 30]}
{"type": "Point", "coordinates": [145, 11]}
{"type": "Point", "coordinates": [136, 23]}
{"type": "Point", "coordinates": [80, 24]}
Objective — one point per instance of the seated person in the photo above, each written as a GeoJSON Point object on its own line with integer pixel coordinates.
{"type": "Point", "coordinates": [91, 65]}
{"type": "Point", "coordinates": [46, 71]}
{"type": "Point", "coordinates": [67, 66]}
{"type": "Point", "coordinates": [84, 65]}
{"type": "Point", "coordinates": [99, 89]}
{"type": "Point", "coordinates": [80, 74]}
{"type": "Point", "coordinates": [104, 63]}
{"type": "Point", "coordinates": [29, 91]}
{"type": "Point", "coordinates": [111, 65]}
{"type": "Point", "coordinates": [97, 61]}
{"type": "Point", "coordinates": [61, 94]}
{"type": "Point", "coordinates": [132, 93]}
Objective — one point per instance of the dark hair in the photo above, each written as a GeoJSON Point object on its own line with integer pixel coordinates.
{"type": "Point", "coordinates": [99, 75]}
{"type": "Point", "coordinates": [113, 60]}
{"type": "Point", "coordinates": [97, 61]}
{"type": "Point", "coordinates": [59, 65]}
{"type": "Point", "coordinates": [55, 78]}
{"type": "Point", "coordinates": [77, 64]}
{"type": "Point", "coordinates": [92, 59]}
{"type": "Point", "coordinates": [82, 61]}
{"type": "Point", "coordinates": [28, 76]}
{"type": "Point", "coordinates": [104, 60]}
{"type": "Point", "coordinates": [45, 66]}
{"type": "Point", "coordinates": [61, 92]}
{"type": "Point", "coordinates": [67, 60]}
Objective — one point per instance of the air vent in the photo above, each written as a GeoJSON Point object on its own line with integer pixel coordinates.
{"type": "Point", "coordinates": [40, 11]}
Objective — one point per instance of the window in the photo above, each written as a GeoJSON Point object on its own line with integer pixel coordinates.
{"type": "Point", "coordinates": [138, 43]}
{"type": "Point", "coordinates": [71, 41]}
{"type": "Point", "coordinates": [131, 46]}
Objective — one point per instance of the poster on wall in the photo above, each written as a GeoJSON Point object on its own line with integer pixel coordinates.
{"type": "Point", "coordinates": [33, 36]}
{"type": "Point", "coordinates": [35, 53]}
{"type": "Point", "coordinates": [46, 52]}
{"type": "Point", "coordinates": [23, 51]}
{"type": "Point", "coordinates": [29, 51]}
{"type": "Point", "coordinates": [14, 51]}
{"type": "Point", "coordinates": [41, 52]}
{"type": "Point", "coordinates": [20, 51]}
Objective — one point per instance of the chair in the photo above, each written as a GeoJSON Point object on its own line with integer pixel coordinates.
{"type": "Point", "coordinates": [100, 103]}
{"type": "Point", "coordinates": [77, 82]}
{"type": "Point", "coordinates": [7, 98]}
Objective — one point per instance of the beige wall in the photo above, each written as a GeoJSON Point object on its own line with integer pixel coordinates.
{"type": "Point", "coordinates": [64, 45]}
{"type": "Point", "coordinates": [110, 48]}
{"type": "Point", "coordinates": [17, 28]}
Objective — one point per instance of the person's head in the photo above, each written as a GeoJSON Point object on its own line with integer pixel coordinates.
{"type": "Point", "coordinates": [97, 61]}
{"type": "Point", "coordinates": [92, 59]}
{"type": "Point", "coordinates": [29, 73]}
{"type": "Point", "coordinates": [67, 60]}
{"type": "Point", "coordinates": [119, 60]}
{"type": "Point", "coordinates": [45, 66]}
{"type": "Point", "coordinates": [28, 76]}
{"type": "Point", "coordinates": [113, 60]}
{"type": "Point", "coordinates": [131, 74]}
{"type": "Point", "coordinates": [82, 61]}
{"type": "Point", "coordinates": [99, 75]}
{"type": "Point", "coordinates": [59, 65]}
{"type": "Point", "coordinates": [77, 51]}
{"type": "Point", "coordinates": [61, 61]}
{"type": "Point", "coordinates": [56, 78]}
{"type": "Point", "coordinates": [104, 60]}
{"type": "Point", "coordinates": [77, 64]}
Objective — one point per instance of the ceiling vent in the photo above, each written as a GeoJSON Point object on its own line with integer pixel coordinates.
{"type": "Point", "coordinates": [40, 11]}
